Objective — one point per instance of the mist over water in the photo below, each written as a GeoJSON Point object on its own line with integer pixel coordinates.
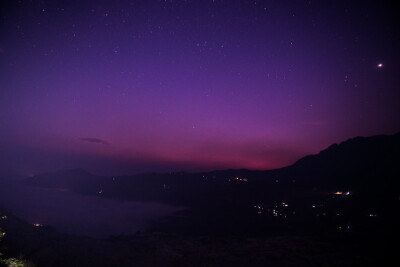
{"type": "Point", "coordinates": [75, 214]}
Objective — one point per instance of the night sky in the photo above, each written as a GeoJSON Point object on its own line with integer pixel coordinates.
{"type": "Point", "coordinates": [124, 87]}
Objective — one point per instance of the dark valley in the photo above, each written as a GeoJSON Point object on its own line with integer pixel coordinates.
{"type": "Point", "coordinates": [341, 201]}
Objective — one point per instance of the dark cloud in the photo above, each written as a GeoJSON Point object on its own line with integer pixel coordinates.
{"type": "Point", "coordinates": [94, 140]}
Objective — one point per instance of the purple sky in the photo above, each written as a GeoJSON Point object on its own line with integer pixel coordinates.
{"type": "Point", "coordinates": [133, 86]}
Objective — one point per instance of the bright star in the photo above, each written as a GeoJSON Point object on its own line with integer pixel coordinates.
{"type": "Point", "coordinates": [380, 65]}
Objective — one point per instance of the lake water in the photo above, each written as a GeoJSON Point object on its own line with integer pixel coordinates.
{"type": "Point", "coordinates": [76, 214]}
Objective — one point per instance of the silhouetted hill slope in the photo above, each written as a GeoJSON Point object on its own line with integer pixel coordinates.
{"type": "Point", "coordinates": [362, 162]}
{"type": "Point", "coordinates": [365, 164]}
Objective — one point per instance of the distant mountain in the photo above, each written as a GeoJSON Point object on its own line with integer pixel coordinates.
{"type": "Point", "coordinates": [77, 180]}
{"type": "Point", "coordinates": [244, 201]}
{"type": "Point", "coordinates": [365, 164]}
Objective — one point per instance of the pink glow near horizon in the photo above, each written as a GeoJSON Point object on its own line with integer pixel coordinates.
{"type": "Point", "coordinates": [158, 86]}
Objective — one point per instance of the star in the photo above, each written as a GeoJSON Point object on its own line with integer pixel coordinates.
{"type": "Point", "coordinates": [380, 65]}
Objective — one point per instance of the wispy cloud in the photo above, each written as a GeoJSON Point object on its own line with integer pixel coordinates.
{"type": "Point", "coordinates": [94, 140]}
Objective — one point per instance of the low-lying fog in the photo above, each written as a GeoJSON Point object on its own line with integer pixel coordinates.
{"type": "Point", "coordinates": [76, 214]}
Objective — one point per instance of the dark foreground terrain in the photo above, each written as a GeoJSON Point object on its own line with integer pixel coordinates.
{"type": "Point", "coordinates": [337, 208]}
{"type": "Point", "coordinates": [45, 247]}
